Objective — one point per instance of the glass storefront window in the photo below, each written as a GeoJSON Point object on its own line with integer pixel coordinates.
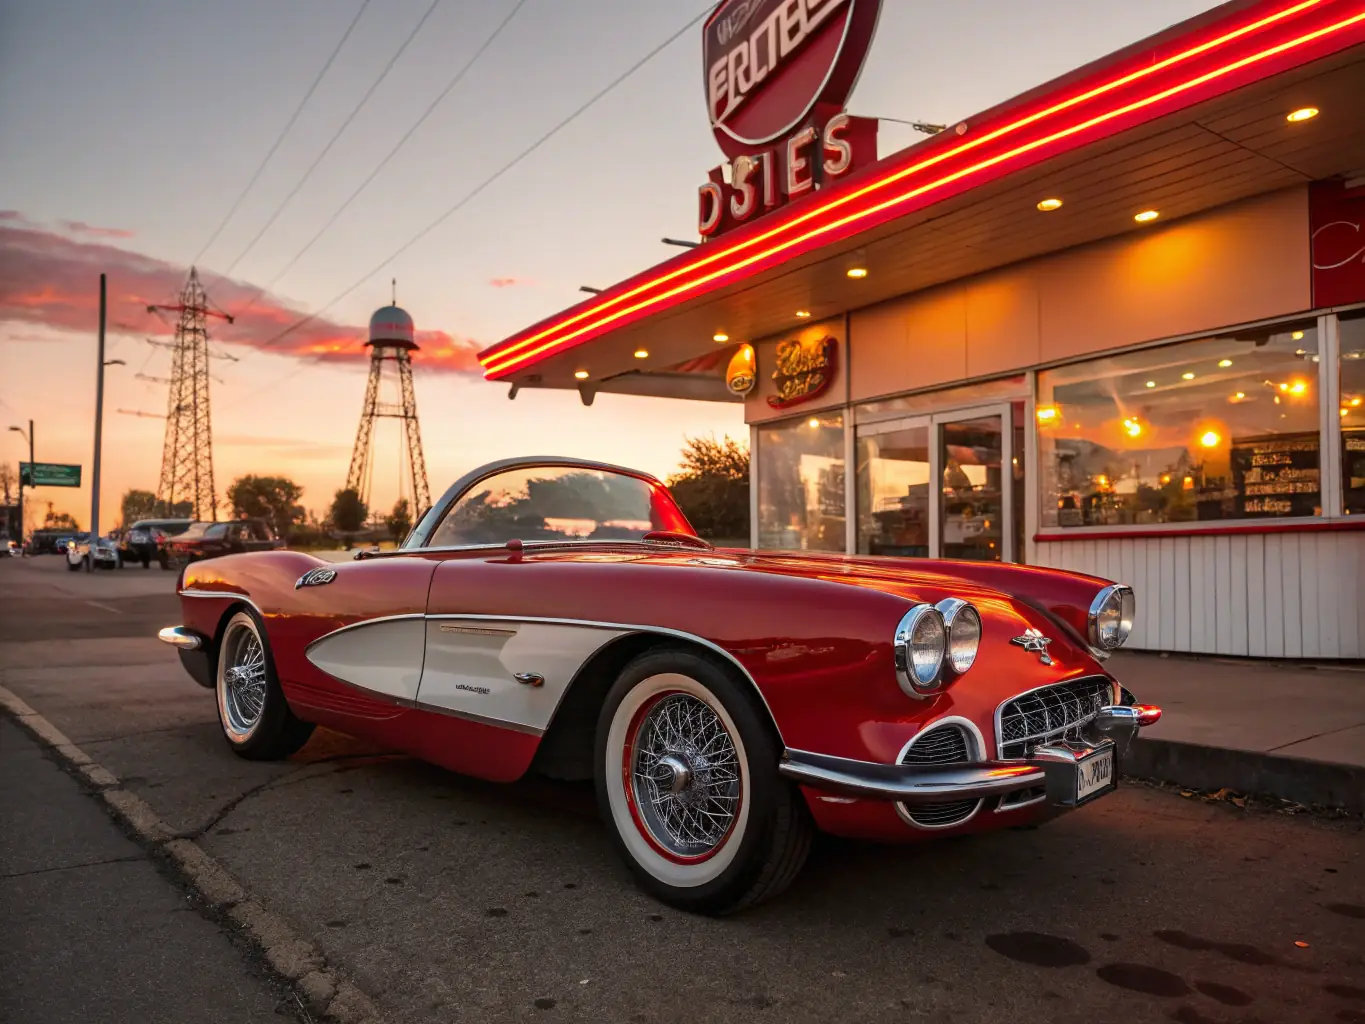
{"type": "Point", "coordinates": [893, 492]}
{"type": "Point", "coordinates": [1352, 413]}
{"type": "Point", "coordinates": [1220, 428]}
{"type": "Point", "coordinates": [801, 484]}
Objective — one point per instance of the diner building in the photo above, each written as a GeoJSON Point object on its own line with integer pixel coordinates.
{"type": "Point", "coordinates": [1115, 325]}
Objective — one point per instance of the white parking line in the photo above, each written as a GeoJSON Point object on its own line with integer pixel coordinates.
{"type": "Point", "coordinates": [105, 607]}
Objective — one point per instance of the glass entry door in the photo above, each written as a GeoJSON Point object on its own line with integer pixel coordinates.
{"type": "Point", "coordinates": [973, 505]}
{"type": "Point", "coordinates": [941, 486]}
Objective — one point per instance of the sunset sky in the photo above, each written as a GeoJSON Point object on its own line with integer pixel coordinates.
{"type": "Point", "coordinates": [128, 130]}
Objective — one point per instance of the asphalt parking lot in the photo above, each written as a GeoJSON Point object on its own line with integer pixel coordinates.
{"type": "Point", "coordinates": [450, 899]}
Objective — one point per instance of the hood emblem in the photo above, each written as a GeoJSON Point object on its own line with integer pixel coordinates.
{"type": "Point", "coordinates": [316, 578]}
{"type": "Point", "coordinates": [1034, 642]}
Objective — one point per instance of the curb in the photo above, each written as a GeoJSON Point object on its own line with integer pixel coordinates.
{"type": "Point", "coordinates": [1195, 766]}
{"type": "Point", "coordinates": [320, 987]}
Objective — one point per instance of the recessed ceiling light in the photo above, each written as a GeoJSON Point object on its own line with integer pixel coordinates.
{"type": "Point", "coordinates": [581, 374]}
{"type": "Point", "coordinates": [720, 336]}
{"type": "Point", "coordinates": [814, 423]}
{"type": "Point", "coordinates": [1302, 114]}
{"type": "Point", "coordinates": [641, 353]}
{"type": "Point", "coordinates": [1048, 205]}
{"type": "Point", "coordinates": [1151, 383]}
{"type": "Point", "coordinates": [1146, 216]}
{"type": "Point", "coordinates": [1225, 363]}
{"type": "Point", "coordinates": [1187, 376]}
{"type": "Point", "coordinates": [803, 313]}
{"type": "Point", "coordinates": [857, 272]}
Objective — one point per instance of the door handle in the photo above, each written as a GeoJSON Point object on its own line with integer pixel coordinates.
{"type": "Point", "coordinates": [529, 678]}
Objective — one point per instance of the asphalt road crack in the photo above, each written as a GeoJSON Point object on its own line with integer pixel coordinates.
{"type": "Point", "coordinates": [74, 867]}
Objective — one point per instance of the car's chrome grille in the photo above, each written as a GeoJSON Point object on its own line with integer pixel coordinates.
{"type": "Point", "coordinates": [1041, 716]}
{"type": "Point", "coordinates": [945, 744]}
{"type": "Point", "coordinates": [1050, 713]}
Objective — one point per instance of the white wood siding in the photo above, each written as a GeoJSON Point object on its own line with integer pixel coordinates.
{"type": "Point", "coordinates": [1276, 595]}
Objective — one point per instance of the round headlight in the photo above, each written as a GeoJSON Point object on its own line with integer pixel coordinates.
{"type": "Point", "coordinates": [1111, 617]}
{"type": "Point", "coordinates": [921, 644]}
{"type": "Point", "coordinates": [963, 623]}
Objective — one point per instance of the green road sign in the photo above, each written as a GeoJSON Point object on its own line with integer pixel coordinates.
{"type": "Point", "coordinates": [49, 474]}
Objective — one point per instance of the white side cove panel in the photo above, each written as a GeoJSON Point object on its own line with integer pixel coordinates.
{"type": "Point", "coordinates": [471, 667]}
{"type": "Point", "coordinates": [1273, 595]}
{"type": "Point", "coordinates": [384, 655]}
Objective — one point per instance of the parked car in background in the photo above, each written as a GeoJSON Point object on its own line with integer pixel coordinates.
{"type": "Point", "coordinates": [145, 537]}
{"type": "Point", "coordinates": [102, 551]}
{"type": "Point", "coordinates": [209, 540]}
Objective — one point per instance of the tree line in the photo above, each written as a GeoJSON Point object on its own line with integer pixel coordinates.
{"type": "Point", "coordinates": [711, 487]}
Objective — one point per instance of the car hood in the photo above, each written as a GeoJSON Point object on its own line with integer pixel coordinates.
{"type": "Point", "coordinates": [1020, 593]}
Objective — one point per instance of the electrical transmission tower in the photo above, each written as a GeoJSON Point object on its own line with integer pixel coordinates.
{"type": "Point", "coordinates": [187, 456]}
{"type": "Point", "coordinates": [392, 342]}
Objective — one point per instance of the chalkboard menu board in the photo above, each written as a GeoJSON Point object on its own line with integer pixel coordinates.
{"type": "Point", "coordinates": [1277, 475]}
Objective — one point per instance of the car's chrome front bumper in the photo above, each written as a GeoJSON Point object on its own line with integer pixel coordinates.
{"type": "Point", "coordinates": [1052, 766]}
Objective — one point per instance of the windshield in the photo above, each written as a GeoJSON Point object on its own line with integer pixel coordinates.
{"type": "Point", "coordinates": [557, 503]}
{"type": "Point", "coordinates": [201, 530]}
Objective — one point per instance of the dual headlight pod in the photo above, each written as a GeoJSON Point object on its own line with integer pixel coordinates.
{"type": "Point", "coordinates": [934, 644]}
{"type": "Point", "coordinates": [1111, 618]}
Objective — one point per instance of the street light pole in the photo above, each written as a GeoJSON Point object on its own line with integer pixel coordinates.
{"type": "Point", "coordinates": [100, 364]}
{"type": "Point", "coordinates": [29, 438]}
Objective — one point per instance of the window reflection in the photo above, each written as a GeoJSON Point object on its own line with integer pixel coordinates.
{"type": "Point", "coordinates": [973, 505]}
{"type": "Point", "coordinates": [801, 484]}
{"type": "Point", "coordinates": [558, 504]}
{"type": "Point", "coordinates": [893, 492]}
{"type": "Point", "coordinates": [1222, 428]}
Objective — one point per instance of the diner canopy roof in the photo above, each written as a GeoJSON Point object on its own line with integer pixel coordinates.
{"type": "Point", "coordinates": [1188, 120]}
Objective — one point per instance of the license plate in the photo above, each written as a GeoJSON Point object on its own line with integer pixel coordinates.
{"type": "Point", "coordinates": [1094, 775]}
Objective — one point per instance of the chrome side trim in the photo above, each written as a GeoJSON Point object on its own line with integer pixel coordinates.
{"type": "Point", "coordinates": [626, 627]}
{"type": "Point", "coordinates": [181, 636]}
{"type": "Point", "coordinates": [910, 784]}
{"type": "Point", "coordinates": [978, 742]}
{"type": "Point", "coordinates": [224, 595]}
{"type": "Point", "coordinates": [359, 624]}
{"type": "Point", "coordinates": [450, 627]}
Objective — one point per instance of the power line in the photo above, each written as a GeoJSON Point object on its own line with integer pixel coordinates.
{"type": "Point", "coordinates": [469, 196]}
{"type": "Point", "coordinates": [283, 132]}
{"type": "Point", "coordinates": [328, 148]}
{"type": "Point", "coordinates": [459, 76]}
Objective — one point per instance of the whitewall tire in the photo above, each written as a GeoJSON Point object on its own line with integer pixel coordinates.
{"type": "Point", "coordinates": [687, 780]}
{"type": "Point", "coordinates": [252, 710]}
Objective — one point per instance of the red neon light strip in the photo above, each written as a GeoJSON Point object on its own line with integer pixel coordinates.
{"type": "Point", "coordinates": [498, 360]}
{"type": "Point", "coordinates": [497, 364]}
{"type": "Point", "coordinates": [845, 198]}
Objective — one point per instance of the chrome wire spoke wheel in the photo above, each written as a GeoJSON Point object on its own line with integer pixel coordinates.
{"type": "Point", "coordinates": [684, 775]}
{"type": "Point", "coordinates": [243, 682]}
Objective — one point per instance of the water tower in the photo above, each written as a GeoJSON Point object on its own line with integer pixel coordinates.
{"type": "Point", "coordinates": [389, 395]}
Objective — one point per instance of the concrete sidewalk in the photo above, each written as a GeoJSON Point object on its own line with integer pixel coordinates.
{"type": "Point", "coordinates": [1284, 729]}
{"type": "Point", "coordinates": [93, 931]}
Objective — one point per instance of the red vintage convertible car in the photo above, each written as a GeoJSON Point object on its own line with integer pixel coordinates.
{"type": "Point", "coordinates": [562, 616]}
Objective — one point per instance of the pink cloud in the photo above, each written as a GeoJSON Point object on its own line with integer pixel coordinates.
{"type": "Point", "coordinates": [508, 282]}
{"type": "Point", "coordinates": [53, 281]}
{"type": "Point", "coordinates": [80, 227]}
